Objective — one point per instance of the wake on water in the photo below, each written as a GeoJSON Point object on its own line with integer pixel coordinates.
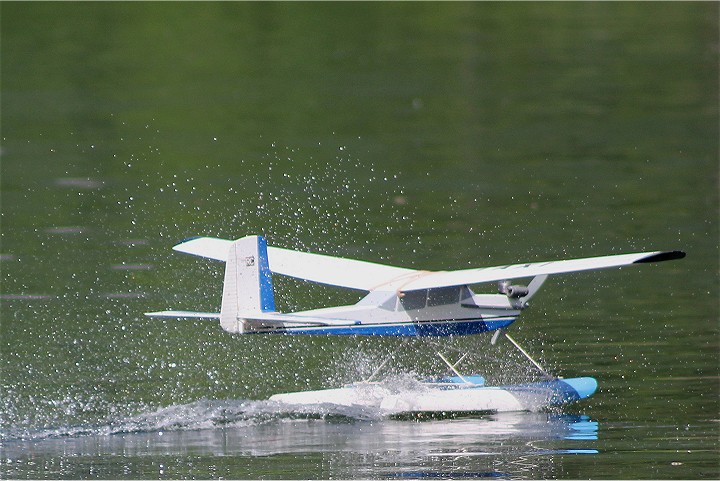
{"type": "Point", "coordinates": [208, 414]}
{"type": "Point", "coordinates": [262, 428]}
{"type": "Point", "coordinates": [200, 415]}
{"type": "Point", "coordinates": [215, 413]}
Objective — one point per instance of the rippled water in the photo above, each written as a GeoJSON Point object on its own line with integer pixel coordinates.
{"type": "Point", "coordinates": [200, 438]}
{"type": "Point", "coordinates": [430, 136]}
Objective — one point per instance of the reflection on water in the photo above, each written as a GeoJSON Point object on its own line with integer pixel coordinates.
{"type": "Point", "coordinates": [27, 297]}
{"type": "Point", "coordinates": [66, 230]}
{"type": "Point", "coordinates": [349, 443]}
{"type": "Point", "coordinates": [79, 182]}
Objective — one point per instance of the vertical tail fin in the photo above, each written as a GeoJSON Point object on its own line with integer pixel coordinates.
{"type": "Point", "coordinates": [248, 283]}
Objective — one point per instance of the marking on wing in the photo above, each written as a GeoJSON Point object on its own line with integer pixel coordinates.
{"type": "Point", "coordinates": [402, 280]}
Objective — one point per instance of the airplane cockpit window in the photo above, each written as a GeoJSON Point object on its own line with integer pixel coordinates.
{"type": "Point", "coordinates": [412, 300]}
{"type": "Point", "coordinates": [443, 296]}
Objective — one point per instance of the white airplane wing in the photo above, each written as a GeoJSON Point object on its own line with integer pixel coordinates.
{"type": "Point", "coordinates": [335, 271]}
{"type": "Point", "coordinates": [355, 274]}
{"type": "Point", "coordinates": [209, 247]}
{"type": "Point", "coordinates": [491, 274]}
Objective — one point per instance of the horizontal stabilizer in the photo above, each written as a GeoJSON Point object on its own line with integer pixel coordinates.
{"type": "Point", "coordinates": [278, 318]}
{"type": "Point", "coordinates": [184, 314]}
{"type": "Point", "coordinates": [259, 317]}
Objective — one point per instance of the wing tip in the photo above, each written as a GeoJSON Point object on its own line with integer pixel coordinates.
{"type": "Point", "coordinates": [186, 240]}
{"type": "Point", "coordinates": [661, 256]}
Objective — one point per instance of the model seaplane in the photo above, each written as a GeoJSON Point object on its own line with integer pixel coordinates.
{"type": "Point", "coordinates": [399, 302]}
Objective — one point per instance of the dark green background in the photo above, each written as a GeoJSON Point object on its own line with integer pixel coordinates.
{"type": "Point", "coordinates": [427, 135]}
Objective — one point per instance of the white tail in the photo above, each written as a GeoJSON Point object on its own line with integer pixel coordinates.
{"type": "Point", "coordinates": [248, 286]}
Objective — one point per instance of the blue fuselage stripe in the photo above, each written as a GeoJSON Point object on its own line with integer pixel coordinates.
{"type": "Point", "coordinates": [400, 329]}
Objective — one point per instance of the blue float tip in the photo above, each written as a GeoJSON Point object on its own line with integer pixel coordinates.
{"type": "Point", "coordinates": [584, 386]}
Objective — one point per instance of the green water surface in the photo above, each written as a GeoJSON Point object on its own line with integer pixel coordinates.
{"type": "Point", "coordinates": [426, 135]}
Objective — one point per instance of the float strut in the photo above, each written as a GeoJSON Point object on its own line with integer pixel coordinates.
{"type": "Point", "coordinates": [535, 363]}
{"type": "Point", "coordinates": [452, 367]}
{"type": "Point", "coordinates": [382, 364]}
{"type": "Point", "coordinates": [377, 371]}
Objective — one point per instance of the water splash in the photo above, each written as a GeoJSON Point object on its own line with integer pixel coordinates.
{"type": "Point", "coordinates": [198, 415]}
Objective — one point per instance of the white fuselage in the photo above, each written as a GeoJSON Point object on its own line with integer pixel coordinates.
{"type": "Point", "coordinates": [450, 311]}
